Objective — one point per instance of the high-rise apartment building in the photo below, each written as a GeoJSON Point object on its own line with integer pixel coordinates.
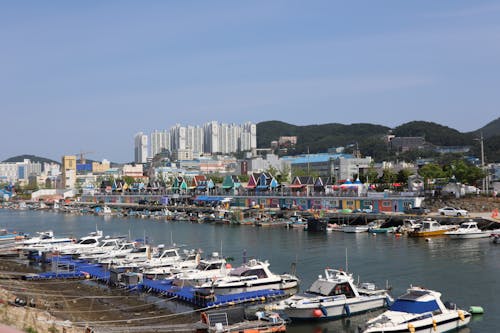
{"type": "Point", "coordinates": [211, 138]}
{"type": "Point", "coordinates": [160, 140]}
{"type": "Point", "coordinates": [68, 169]}
{"type": "Point", "coordinates": [194, 139]}
{"type": "Point", "coordinates": [140, 148]}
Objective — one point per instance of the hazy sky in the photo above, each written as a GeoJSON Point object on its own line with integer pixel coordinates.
{"type": "Point", "coordinates": [87, 75]}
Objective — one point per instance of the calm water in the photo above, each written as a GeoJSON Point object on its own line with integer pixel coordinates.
{"type": "Point", "coordinates": [465, 272]}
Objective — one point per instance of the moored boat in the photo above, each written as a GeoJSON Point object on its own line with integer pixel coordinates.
{"type": "Point", "coordinates": [430, 228]}
{"type": "Point", "coordinates": [334, 296]}
{"type": "Point", "coordinates": [418, 310]}
{"type": "Point", "coordinates": [468, 230]}
{"type": "Point", "coordinates": [251, 276]}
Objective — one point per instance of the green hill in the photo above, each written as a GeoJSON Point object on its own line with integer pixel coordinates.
{"type": "Point", "coordinates": [490, 130]}
{"type": "Point", "coordinates": [434, 133]}
{"type": "Point", "coordinates": [318, 138]}
{"type": "Point", "coordinates": [32, 158]}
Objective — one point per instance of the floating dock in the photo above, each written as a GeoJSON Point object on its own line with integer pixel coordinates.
{"type": "Point", "coordinates": [67, 268]}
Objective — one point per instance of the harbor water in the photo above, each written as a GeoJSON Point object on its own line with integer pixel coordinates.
{"type": "Point", "coordinates": [464, 271]}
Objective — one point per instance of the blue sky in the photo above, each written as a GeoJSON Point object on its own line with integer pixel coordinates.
{"type": "Point", "coordinates": [88, 75]}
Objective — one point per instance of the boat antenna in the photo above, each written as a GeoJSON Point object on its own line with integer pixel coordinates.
{"type": "Point", "coordinates": [346, 264]}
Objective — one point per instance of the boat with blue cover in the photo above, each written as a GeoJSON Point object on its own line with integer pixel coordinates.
{"type": "Point", "coordinates": [418, 310]}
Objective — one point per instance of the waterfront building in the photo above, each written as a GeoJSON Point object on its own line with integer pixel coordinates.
{"type": "Point", "coordinates": [346, 167]}
{"type": "Point", "coordinates": [140, 148]}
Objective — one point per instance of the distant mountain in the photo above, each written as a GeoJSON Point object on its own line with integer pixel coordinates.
{"type": "Point", "coordinates": [490, 130]}
{"type": "Point", "coordinates": [434, 133]}
{"type": "Point", "coordinates": [32, 158]}
{"type": "Point", "coordinates": [318, 138]}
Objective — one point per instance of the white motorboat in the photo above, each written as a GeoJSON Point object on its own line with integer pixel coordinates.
{"type": "Point", "coordinates": [468, 230]}
{"type": "Point", "coordinates": [166, 269]}
{"type": "Point", "coordinates": [334, 296]}
{"type": "Point", "coordinates": [105, 246]}
{"type": "Point", "coordinates": [113, 255]}
{"type": "Point", "coordinates": [90, 241]}
{"type": "Point", "coordinates": [418, 310]}
{"type": "Point", "coordinates": [206, 271]}
{"type": "Point", "coordinates": [43, 242]}
{"type": "Point", "coordinates": [251, 276]}
{"type": "Point", "coordinates": [354, 228]}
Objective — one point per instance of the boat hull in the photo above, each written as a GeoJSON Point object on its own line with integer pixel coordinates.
{"type": "Point", "coordinates": [469, 235]}
{"type": "Point", "coordinates": [427, 233]}
{"type": "Point", "coordinates": [336, 309]}
{"type": "Point", "coordinates": [443, 323]}
{"type": "Point", "coordinates": [237, 288]}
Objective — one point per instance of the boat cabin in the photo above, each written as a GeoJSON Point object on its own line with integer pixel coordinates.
{"type": "Point", "coordinates": [252, 268]}
{"type": "Point", "coordinates": [417, 301]}
{"type": "Point", "coordinates": [471, 225]}
{"type": "Point", "coordinates": [336, 283]}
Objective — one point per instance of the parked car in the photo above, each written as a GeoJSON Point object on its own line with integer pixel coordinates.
{"type": "Point", "coordinates": [452, 211]}
{"type": "Point", "coordinates": [417, 211]}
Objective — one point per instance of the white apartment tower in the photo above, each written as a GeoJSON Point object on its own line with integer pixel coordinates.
{"type": "Point", "coordinates": [159, 140]}
{"type": "Point", "coordinates": [140, 148]}
{"type": "Point", "coordinates": [212, 137]}
{"type": "Point", "coordinates": [194, 139]}
{"type": "Point", "coordinates": [178, 137]}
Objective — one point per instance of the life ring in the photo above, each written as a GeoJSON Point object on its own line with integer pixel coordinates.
{"type": "Point", "coordinates": [204, 317]}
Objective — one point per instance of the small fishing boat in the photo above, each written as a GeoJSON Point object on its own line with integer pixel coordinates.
{"type": "Point", "coordinates": [7, 236]}
{"type": "Point", "coordinates": [468, 230]}
{"type": "Point", "coordinates": [418, 310]}
{"type": "Point", "coordinates": [354, 228]}
{"type": "Point", "coordinates": [375, 227]}
{"type": "Point", "coordinates": [334, 296]}
{"type": "Point", "coordinates": [236, 320]}
{"type": "Point", "coordinates": [431, 228]}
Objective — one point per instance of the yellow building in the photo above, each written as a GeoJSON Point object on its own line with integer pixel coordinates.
{"type": "Point", "coordinates": [68, 171]}
{"type": "Point", "coordinates": [100, 167]}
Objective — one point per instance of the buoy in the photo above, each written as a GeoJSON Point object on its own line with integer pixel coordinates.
{"type": "Point", "coordinates": [411, 328]}
{"type": "Point", "coordinates": [434, 325]}
{"type": "Point", "coordinates": [427, 239]}
{"type": "Point", "coordinates": [317, 313]}
{"type": "Point", "coordinates": [476, 310]}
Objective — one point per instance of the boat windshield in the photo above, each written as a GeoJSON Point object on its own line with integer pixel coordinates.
{"type": "Point", "coordinates": [412, 306]}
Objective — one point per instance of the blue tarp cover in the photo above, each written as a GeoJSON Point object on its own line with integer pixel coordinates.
{"type": "Point", "coordinates": [208, 199]}
{"type": "Point", "coordinates": [409, 306]}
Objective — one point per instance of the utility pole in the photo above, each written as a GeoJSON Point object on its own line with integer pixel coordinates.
{"type": "Point", "coordinates": [485, 179]}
